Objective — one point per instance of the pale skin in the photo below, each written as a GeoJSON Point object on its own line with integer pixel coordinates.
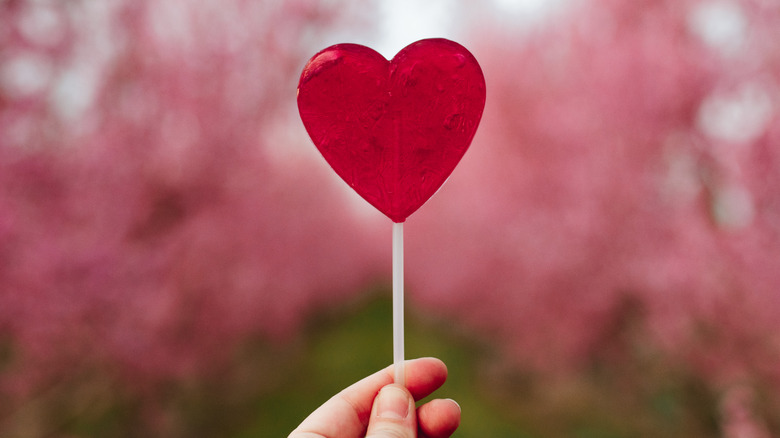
{"type": "Point", "coordinates": [376, 408]}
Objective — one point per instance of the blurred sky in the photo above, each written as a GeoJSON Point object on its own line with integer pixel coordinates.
{"type": "Point", "coordinates": [406, 21]}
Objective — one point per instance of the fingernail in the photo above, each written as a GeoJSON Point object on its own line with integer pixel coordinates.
{"type": "Point", "coordinates": [392, 403]}
{"type": "Point", "coordinates": [456, 404]}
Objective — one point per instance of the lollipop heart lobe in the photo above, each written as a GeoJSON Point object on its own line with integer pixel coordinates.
{"type": "Point", "coordinates": [393, 130]}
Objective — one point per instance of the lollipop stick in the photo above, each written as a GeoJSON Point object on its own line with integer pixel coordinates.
{"type": "Point", "coordinates": [398, 302]}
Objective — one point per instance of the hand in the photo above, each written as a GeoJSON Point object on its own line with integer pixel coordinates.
{"type": "Point", "coordinates": [376, 408]}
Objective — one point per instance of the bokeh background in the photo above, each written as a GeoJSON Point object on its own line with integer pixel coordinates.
{"type": "Point", "coordinates": [177, 261]}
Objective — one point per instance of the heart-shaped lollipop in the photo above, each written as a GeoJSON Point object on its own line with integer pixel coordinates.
{"type": "Point", "coordinates": [393, 130]}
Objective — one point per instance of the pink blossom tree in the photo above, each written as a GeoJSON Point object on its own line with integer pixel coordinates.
{"type": "Point", "coordinates": [627, 155]}
{"type": "Point", "coordinates": [155, 208]}
{"type": "Point", "coordinates": [160, 203]}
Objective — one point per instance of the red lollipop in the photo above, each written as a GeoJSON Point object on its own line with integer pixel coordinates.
{"type": "Point", "coordinates": [393, 130]}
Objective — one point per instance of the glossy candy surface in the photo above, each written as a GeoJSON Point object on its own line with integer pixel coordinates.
{"type": "Point", "coordinates": [393, 130]}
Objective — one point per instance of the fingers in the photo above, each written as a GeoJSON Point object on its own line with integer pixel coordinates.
{"type": "Point", "coordinates": [347, 413]}
{"type": "Point", "coordinates": [438, 418]}
{"type": "Point", "coordinates": [393, 414]}
{"type": "Point", "coordinates": [423, 376]}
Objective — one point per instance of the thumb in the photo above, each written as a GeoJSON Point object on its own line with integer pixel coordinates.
{"type": "Point", "coordinates": [393, 414]}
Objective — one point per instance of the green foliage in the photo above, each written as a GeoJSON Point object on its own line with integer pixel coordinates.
{"type": "Point", "coordinates": [267, 388]}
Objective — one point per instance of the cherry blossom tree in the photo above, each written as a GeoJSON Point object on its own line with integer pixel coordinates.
{"type": "Point", "coordinates": [627, 162]}
{"type": "Point", "coordinates": [160, 203]}
{"type": "Point", "coordinates": [155, 208]}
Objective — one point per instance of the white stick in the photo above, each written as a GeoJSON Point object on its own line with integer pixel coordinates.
{"type": "Point", "coordinates": [398, 302]}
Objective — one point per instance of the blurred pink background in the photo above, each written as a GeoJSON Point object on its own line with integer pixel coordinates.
{"type": "Point", "coordinates": [160, 201]}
